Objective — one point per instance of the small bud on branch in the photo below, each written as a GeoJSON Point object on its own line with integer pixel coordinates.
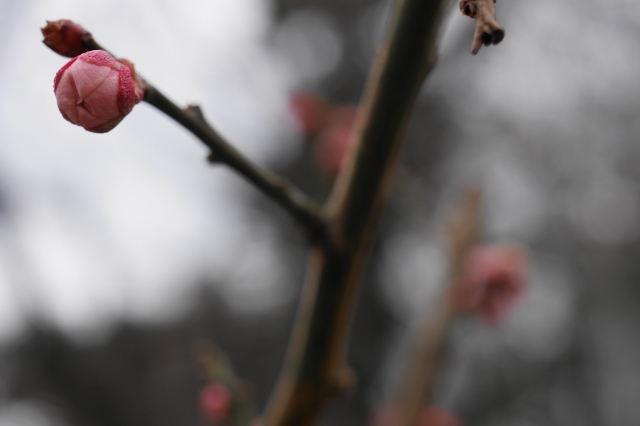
{"type": "Point", "coordinates": [332, 144]}
{"type": "Point", "coordinates": [488, 31]}
{"type": "Point", "coordinates": [493, 278]}
{"type": "Point", "coordinates": [96, 91]}
{"type": "Point", "coordinates": [215, 403]}
{"type": "Point", "coordinates": [66, 38]}
{"type": "Point", "coordinates": [310, 112]}
{"type": "Point", "coordinates": [330, 125]}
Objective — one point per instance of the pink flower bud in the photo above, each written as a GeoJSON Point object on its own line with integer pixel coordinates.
{"type": "Point", "coordinates": [95, 91]}
{"type": "Point", "coordinates": [310, 112]}
{"type": "Point", "coordinates": [66, 38]}
{"type": "Point", "coordinates": [332, 144]}
{"type": "Point", "coordinates": [215, 403]}
{"type": "Point", "coordinates": [492, 280]}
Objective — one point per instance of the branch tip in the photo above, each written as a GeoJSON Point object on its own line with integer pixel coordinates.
{"type": "Point", "coordinates": [488, 31]}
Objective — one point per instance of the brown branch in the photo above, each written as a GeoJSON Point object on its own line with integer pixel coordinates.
{"type": "Point", "coordinates": [488, 31]}
{"type": "Point", "coordinates": [315, 368]}
{"type": "Point", "coordinates": [415, 389]}
{"type": "Point", "coordinates": [301, 207]}
{"type": "Point", "coordinates": [304, 210]}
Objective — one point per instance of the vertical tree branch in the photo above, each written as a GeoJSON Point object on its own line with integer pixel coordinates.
{"type": "Point", "coordinates": [315, 368]}
{"type": "Point", "coordinates": [417, 383]}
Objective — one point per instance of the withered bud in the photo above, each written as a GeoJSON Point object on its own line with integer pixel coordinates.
{"type": "Point", "coordinates": [488, 31]}
{"type": "Point", "coordinates": [66, 38]}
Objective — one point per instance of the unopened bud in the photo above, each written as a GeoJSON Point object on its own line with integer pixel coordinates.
{"type": "Point", "coordinates": [493, 278]}
{"type": "Point", "coordinates": [332, 144]}
{"type": "Point", "coordinates": [95, 91]}
{"type": "Point", "coordinates": [66, 38]}
{"type": "Point", "coordinates": [215, 403]}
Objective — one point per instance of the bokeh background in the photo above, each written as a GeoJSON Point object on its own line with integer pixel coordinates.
{"type": "Point", "coordinates": [119, 251]}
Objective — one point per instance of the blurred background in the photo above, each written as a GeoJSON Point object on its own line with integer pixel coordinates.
{"type": "Point", "coordinates": [119, 251]}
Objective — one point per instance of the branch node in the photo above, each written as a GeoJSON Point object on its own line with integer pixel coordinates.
{"type": "Point", "coordinates": [195, 112]}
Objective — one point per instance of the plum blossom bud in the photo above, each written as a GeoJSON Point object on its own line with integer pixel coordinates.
{"type": "Point", "coordinates": [310, 112]}
{"type": "Point", "coordinates": [96, 91]}
{"type": "Point", "coordinates": [332, 144]}
{"type": "Point", "coordinates": [492, 280]}
{"type": "Point", "coordinates": [66, 38]}
{"type": "Point", "coordinates": [215, 403]}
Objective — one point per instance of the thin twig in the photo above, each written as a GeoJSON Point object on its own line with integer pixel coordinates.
{"type": "Point", "coordinates": [417, 383]}
{"type": "Point", "coordinates": [306, 211]}
{"type": "Point", "coordinates": [488, 31]}
{"type": "Point", "coordinates": [315, 368]}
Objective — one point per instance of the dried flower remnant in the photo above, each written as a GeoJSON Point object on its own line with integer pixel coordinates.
{"type": "Point", "coordinates": [66, 38]}
{"type": "Point", "coordinates": [492, 280]}
{"type": "Point", "coordinates": [488, 31]}
{"type": "Point", "coordinates": [215, 403]}
{"type": "Point", "coordinates": [96, 91]}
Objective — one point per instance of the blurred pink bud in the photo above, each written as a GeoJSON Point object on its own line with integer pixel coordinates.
{"type": "Point", "coordinates": [492, 280]}
{"type": "Point", "coordinates": [215, 403]}
{"type": "Point", "coordinates": [310, 112]}
{"type": "Point", "coordinates": [437, 416]}
{"type": "Point", "coordinates": [66, 38]}
{"type": "Point", "coordinates": [95, 91]}
{"type": "Point", "coordinates": [332, 144]}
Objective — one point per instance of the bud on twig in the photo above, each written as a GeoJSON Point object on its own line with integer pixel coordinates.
{"type": "Point", "coordinates": [66, 38]}
{"type": "Point", "coordinates": [492, 280]}
{"type": "Point", "coordinates": [96, 91]}
{"type": "Point", "coordinates": [332, 144]}
{"type": "Point", "coordinates": [215, 403]}
{"type": "Point", "coordinates": [310, 112]}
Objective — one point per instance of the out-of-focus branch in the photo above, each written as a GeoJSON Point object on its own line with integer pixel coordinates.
{"type": "Point", "coordinates": [415, 388]}
{"type": "Point", "coordinates": [304, 210]}
{"type": "Point", "coordinates": [488, 31]}
{"type": "Point", "coordinates": [315, 368]}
